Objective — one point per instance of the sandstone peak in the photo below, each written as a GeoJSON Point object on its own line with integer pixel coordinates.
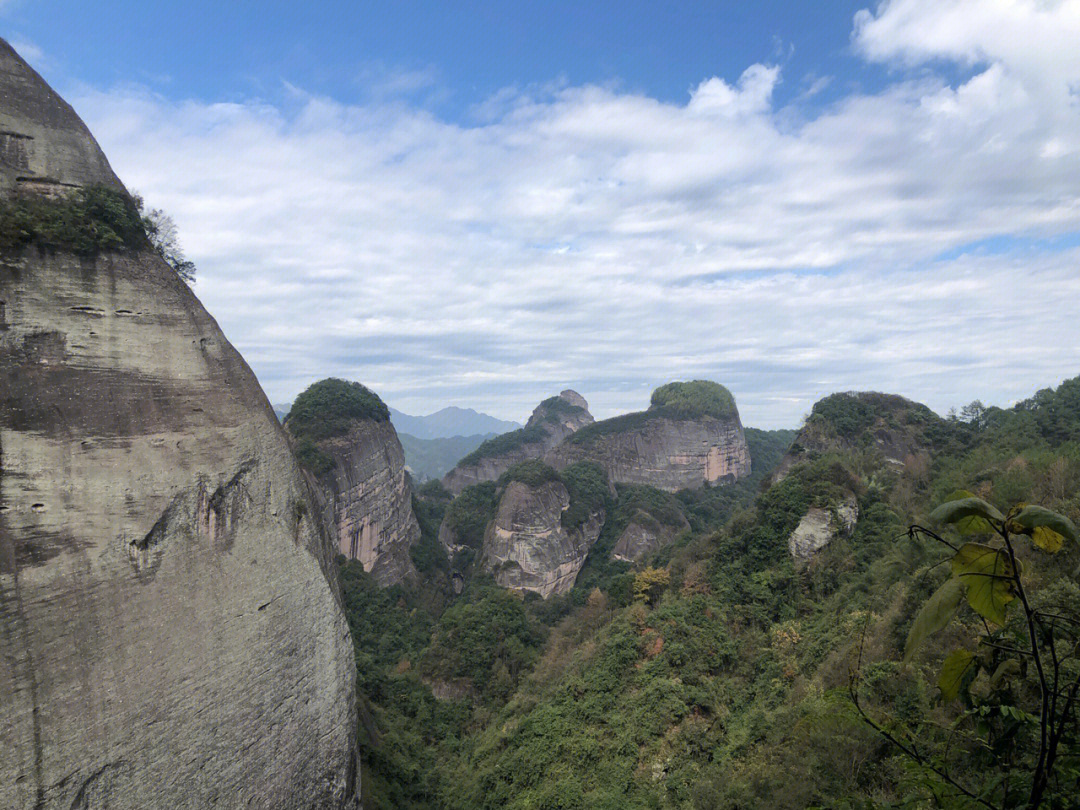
{"type": "Point", "coordinates": [574, 398]}
{"type": "Point", "coordinates": [166, 592]}
{"type": "Point", "coordinates": [44, 146]}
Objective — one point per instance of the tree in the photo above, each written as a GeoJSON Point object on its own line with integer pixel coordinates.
{"type": "Point", "coordinates": [1025, 704]}
{"type": "Point", "coordinates": [161, 230]}
{"type": "Point", "coordinates": [650, 583]}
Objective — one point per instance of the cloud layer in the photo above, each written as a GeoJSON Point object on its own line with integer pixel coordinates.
{"type": "Point", "coordinates": [920, 239]}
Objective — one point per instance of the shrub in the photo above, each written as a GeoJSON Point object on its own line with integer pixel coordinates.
{"type": "Point", "coordinates": [329, 407]}
{"type": "Point", "coordinates": [693, 400]}
{"type": "Point", "coordinates": [85, 222]}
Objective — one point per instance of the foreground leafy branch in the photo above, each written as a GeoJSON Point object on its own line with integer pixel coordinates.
{"type": "Point", "coordinates": [989, 576]}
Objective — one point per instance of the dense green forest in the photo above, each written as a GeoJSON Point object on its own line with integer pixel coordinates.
{"type": "Point", "coordinates": [721, 674]}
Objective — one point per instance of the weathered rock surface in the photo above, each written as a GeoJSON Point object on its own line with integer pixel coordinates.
{"type": "Point", "coordinates": [643, 535]}
{"type": "Point", "coordinates": [552, 421]}
{"type": "Point", "coordinates": [44, 146]}
{"type": "Point", "coordinates": [170, 630]}
{"type": "Point", "coordinates": [527, 547]}
{"type": "Point", "coordinates": [368, 500]}
{"type": "Point", "coordinates": [662, 452]}
{"type": "Point", "coordinates": [819, 527]}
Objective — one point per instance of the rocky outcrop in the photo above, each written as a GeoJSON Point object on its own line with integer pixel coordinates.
{"type": "Point", "coordinates": [643, 535]}
{"type": "Point", "coordinates": [170, 630]}
{"type": "Point", "coordinates": [820, 526]}
{"type": "Point", "coordinates": [553, 420]}
{"type": "Point", "coordinates": [527, 547]}
{"type": "Point", "coordinates": [357, 468]}
{"type": "Point", "coordinates": [44, 147]}
{"type": "Point", "coordinates": [691, 435]}
{"type": "Point", "coordinates": [371, 501]}
{"type": "Point", "coordinates": [894, 429]}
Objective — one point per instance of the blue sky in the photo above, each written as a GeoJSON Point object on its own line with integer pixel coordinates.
{"type": "Point", "coordinates": [483, 203]}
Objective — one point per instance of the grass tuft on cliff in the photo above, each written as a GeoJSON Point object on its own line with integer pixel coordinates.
{"type": "Point", "coordinates": [86, 222]}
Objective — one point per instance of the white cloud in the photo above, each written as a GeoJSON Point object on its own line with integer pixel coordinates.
{"type": "Point", "coordinates": [579, 235]}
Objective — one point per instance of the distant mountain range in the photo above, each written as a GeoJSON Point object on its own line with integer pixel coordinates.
{"type": "Point", "coordinates": [433, 458]}
{"type": "Point", "coordinates": [449, 422]}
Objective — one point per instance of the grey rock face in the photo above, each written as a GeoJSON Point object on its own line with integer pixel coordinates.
{"type": "Point", "coordinates": [819, 527]}
{"type": "Point", "coordinates": [170, 629]}
{"type": "Point", "coordinates": [664, 453]}
{"type": "Point", "coordinates": [550, 423]}
{"type": "Point", "coordinates": [368, 500]}
{"type": "Point", "coordinates": [644, 535]}
{"type": "Point", "coordinates": [528, 548]}
{"type": "Point", "coordinates": [44, 147]}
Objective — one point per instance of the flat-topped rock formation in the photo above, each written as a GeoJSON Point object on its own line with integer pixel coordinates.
{"type": "Point", "coordinates": [343, 436]}
{"type": "Point", "coordinates": [543, 527]}
{"type": "Point", "coordinates": [690, 436]}
{"type": "Point", "coordinates": [553, 420]}
{"type": "Point", "coordinates": [170, 629]}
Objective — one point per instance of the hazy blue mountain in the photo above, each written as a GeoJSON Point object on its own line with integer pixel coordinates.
{"type": "Point", "coordinates": [450, 421]}
{"type": "Point", "coordinates": [433, 458]}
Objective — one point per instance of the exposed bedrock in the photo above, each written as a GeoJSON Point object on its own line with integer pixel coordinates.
{"type": "Point", "coordinates": [527, 547]}
{"type": "Point", "coordinates": [369, 499]}
{"type": "Point", "coordinates": [170, 629]}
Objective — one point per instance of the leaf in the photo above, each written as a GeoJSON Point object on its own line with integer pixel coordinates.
{"type": "Point", "coordinates": [973, 524]}
{"type": "Point", "coordinates": [1047, 529]}
{"type": "Point", "coordinates": [1007, 670]}
{"type": "Point", "coordinates": [970, 515]}
{"type": "Point", "coordinates": [953, 672]}
{"type": "Point", "coordinates": [987, 572]}
{"type": "Point", "coordinates": [934, 615]}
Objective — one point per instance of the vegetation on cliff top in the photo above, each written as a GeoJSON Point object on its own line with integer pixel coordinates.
{"type": "Point", "coordinates": [326, 409]}
{"type": "Point", "coordinates": [505, 443]}
{"type": "Point", "coordinates": [550, 411]}
{"type": "Point", "coordinates": [90, 220]}
{"type": "Point", "coordinates": [693, 400]}
{"type": "Point", "coordinates": [680, 401]}
{"type": "Point", "coordinates": [85, 222]}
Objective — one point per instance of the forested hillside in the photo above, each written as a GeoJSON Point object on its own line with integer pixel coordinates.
{"type": "Point", "coordinates": [719, 671]}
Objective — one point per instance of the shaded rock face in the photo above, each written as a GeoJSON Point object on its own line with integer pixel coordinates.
{"type": "Point", "coordinates": [170, 629]}
{"type": "Point", "coordinates": [551, 422]}
{"type": "Point", "coordinates": [368, 500]}
{"type": "Point", "coordinates": [527, 547]}
{"type": "Point", "coordinates": [665, 453]}
{"type": "Point", "coordinates": [642, 536]}
{"type": "Point", "coordinates": [819, 527]}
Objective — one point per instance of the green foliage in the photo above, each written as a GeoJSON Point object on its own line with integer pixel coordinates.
{"type": "Point", "coordinates": [86, 222]}
{"type": "Point", "coordinates": [531, 472]}
{"type": "Point", "coordinates": [310, 456]}
{"type": "Point", "coordinates": [693, 400]}
{"type": "Point", "coordinates": [470, 512]}
{"type": "Point", "coordinates": [329, 407]}
{"type": "Point", "coordinates": [505, 443]}
{"type": "Point", "coordinates": [728, 689]}
{"type": "Point", "coordinates": [486, 638]}
{"type": "Point", "coordinates": [433, 458]}
{"type": "Point", "coordinates": [587, 485]}
{"type": "Point", "coordinates": [554, 409]}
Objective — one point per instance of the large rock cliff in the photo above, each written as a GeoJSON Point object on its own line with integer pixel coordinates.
{"type": "Point", "coordinates": [543, 527]}
{"type": "Point", "coordinates": [691, 435]}
{"type": "Point", "coordinates": [553, 420]}
{"type": "Point", "coordinates": [170, 630]}
{"type": "Point", "coordinates": [344, 437]}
